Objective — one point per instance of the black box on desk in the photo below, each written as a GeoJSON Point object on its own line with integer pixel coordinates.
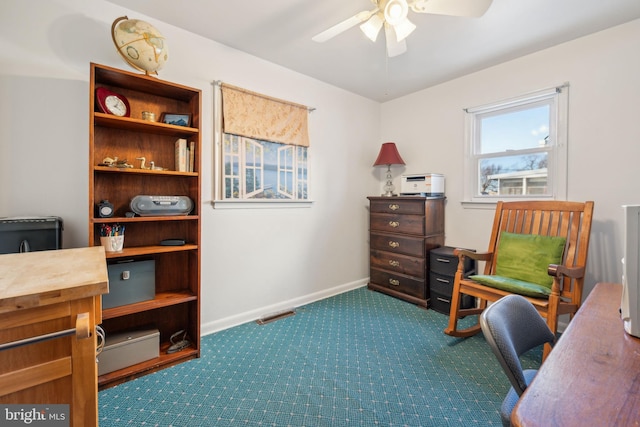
{"type": "Point", "coordinates": [130, 281]}
{"type": "Point", "coordinates": [128, 348]}
{"type": "Point", "coordinates": [28, 234]}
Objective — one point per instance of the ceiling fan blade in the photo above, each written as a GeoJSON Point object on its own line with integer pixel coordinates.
{"type": "Point", "coordinates": [344, 26]}
{"type": "Point", "coordinates": [470, 8]}
{"type": "Point", "coordinates": [394, 47]}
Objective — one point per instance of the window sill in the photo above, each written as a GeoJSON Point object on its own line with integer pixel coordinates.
{"type": "Point", "coordinates": [490, 203]}
{"type": "Point", "coordinates": [261, 204]}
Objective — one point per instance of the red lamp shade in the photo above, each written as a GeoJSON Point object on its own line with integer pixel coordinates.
{"type": "Point", "coordinates": [389, 155]}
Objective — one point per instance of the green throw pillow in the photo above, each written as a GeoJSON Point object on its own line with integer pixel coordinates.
{"type": "Point", "coordinates": [526, 257]}
{"type": "Point", "coordinates": [513, 285]}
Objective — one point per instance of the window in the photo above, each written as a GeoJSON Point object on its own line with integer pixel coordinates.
{"type": "Point", "coordinates": [517, 149]}
{"type": "Point", "coordinates": [261, 147]}
{"type": "Point", "coordinates": [256, 169]}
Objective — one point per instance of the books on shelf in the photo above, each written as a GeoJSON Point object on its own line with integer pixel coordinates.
{"type": "Point", "coordinates": [181, 155]}
{"type": "Point", "coordinates": [192, 155]}
{"type": "Point", "coordinates": [185, 155]}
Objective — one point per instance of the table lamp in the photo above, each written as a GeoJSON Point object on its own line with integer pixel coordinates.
{"type": "Point", "coordinates": [389, 156]}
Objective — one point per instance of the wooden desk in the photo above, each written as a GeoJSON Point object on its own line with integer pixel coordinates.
{"type": "Point", "coordinates": [51, 293]}
{"type": "Point", "coordinates": [592, 376]}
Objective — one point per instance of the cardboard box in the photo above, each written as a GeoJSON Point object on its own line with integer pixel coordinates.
{"type": "Point", "coordinates": [129, 282]}
{"type": "Point", "coordinates": [128, 348]}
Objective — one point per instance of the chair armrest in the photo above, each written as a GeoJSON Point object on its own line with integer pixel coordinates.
{"type": "Point", "coordinates": [561, 270]}
{"type": "Point", "coordinates": [557, 271]}
{"type": "Point", "coordinates": [478, 256]}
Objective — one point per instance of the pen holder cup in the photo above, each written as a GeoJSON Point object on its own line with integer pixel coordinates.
{"type": "Point", "coordinates": [112, 243]}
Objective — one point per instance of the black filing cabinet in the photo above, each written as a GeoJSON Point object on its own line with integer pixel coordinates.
{"type": "Point", "coordinates": [443, 265]}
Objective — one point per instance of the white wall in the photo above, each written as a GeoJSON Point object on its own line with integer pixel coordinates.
{"type": "Point", "coordinates": [253, 261]}
{"type": "Point", "coordinates": [604, 134]}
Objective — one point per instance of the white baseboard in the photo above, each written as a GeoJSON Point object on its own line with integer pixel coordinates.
{"type": "Point", "coordinates": [249, 316]}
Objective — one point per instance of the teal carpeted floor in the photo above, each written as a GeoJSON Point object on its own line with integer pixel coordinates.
{"type": "Point", "coordinates": [357, 359]}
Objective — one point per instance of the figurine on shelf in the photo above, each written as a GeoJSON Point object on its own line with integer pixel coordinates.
{"type": "Point", "coordinates": [156, 168]}
{"type": "Point", "coordinates": [142, 162]}
{"type": "Point", "coordinates": [115, 163]}
{"type": "Point", "coordinates": [152, 165]}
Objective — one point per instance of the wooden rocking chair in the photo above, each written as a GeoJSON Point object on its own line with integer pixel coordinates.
{"type": "Point", "coordinates": [565, 225]}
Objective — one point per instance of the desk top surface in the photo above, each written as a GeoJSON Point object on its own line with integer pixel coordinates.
{"type": "Point", "coordinates": [40, 278]}
{"type": "Point", "coordinates": [592, 376]}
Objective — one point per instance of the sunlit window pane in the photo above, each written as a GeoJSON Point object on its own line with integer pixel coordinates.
{"type": "Point", "coordinates": [514, 130]}
{"type": "Point", "coordinates": [255, 169]}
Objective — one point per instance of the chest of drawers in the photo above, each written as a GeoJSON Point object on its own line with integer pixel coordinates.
{"type": "Point", "coordinates": [402, 231]}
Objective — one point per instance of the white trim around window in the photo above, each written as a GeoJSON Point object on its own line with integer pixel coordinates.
{"type": "Point", "coordinates": [484, 186]}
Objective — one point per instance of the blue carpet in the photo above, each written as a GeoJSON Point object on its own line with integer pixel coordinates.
{"type": "Point", "coordinates": [357, 359]}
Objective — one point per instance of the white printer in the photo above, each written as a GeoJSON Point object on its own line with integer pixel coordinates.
{"type": "Point", "coordinates": [423, 184]}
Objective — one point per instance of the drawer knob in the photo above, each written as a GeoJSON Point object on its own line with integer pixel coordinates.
{"type": "Point", "coordinates": [394, 282]}
{"type": "Point", "coordinates": [394, 207]}
{"type": "Point", "coordinates": [442, 280]}
{"type": "Point", "coordinates": [443, 300]}
{"type": "Point", "coordinates": [394, 263]}
{"type": "Point", "coordinates": [394, 244]}
{"type": "Point", "coordinates": [443, 260]}
{"type": "Point", "coordinates": [394, 224]}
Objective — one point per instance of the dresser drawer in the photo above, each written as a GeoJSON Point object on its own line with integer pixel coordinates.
{"type": "Point", "coordinates": [400, 283]}
{"type": "Point", "coordinates": [397, 206]}
{"type": "Point", "coordinates": [443, 261]}
{"type": "Point", "coordinates": [442, 303]}
{"type": "Point", "coordinates": [441, 284]}
{"type": "Point", "coordinates": [404, 264]}
{"type": "Point", "coordinates": [392, 223]}
{"type": "Point", "coordinates": [414, 246]}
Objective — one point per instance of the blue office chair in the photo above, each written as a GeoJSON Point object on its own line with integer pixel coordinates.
{"type": "Point", "coordinates": [512, 326]}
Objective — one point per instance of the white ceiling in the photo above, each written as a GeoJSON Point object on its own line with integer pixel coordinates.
{"type": "Point", "coordinates": [440, 49]}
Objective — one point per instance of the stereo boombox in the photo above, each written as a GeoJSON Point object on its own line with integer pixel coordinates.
{"type": "Point", "coordinates": [161, 205]}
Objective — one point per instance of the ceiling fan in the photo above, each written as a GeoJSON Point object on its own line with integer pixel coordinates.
{"type": "Point", "coordinates": [392, 14]}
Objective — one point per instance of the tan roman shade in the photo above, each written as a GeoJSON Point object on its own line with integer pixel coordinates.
{"type": "Point", "coordinates": [257, 116]}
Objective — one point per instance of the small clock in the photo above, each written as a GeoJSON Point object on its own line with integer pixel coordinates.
{"type": "Point", "coordinates": [112, 103]}
{"type": "Point", "coordinates": [105, 209]}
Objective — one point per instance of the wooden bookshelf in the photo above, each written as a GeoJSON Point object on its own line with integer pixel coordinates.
{"type": "Point", "coordinates": [176, 305]}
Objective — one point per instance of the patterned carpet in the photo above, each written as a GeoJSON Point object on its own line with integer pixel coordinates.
{"type": "Point", "coordinates": [357, 359]}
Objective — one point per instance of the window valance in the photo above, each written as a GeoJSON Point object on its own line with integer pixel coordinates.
{"type": "Point", "coordinates": [262, 117]}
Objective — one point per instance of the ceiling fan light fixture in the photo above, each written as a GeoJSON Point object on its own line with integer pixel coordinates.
{"type": "Point", "coordinates": [394, 47]}
{"type": "Point", "coordinates": [395, 11]}
{"type": "Point", "coordinates": [372, 27]}
{"type": "Point", "coordinates": [403, 29]}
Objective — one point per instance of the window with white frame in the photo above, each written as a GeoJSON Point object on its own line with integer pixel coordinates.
{"type": "Point", "coordinates": [517, 149]}
{"type": "Point", "coordinates": [262, 146]}
{"type": "Point", "coordinates": [255, 169]}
